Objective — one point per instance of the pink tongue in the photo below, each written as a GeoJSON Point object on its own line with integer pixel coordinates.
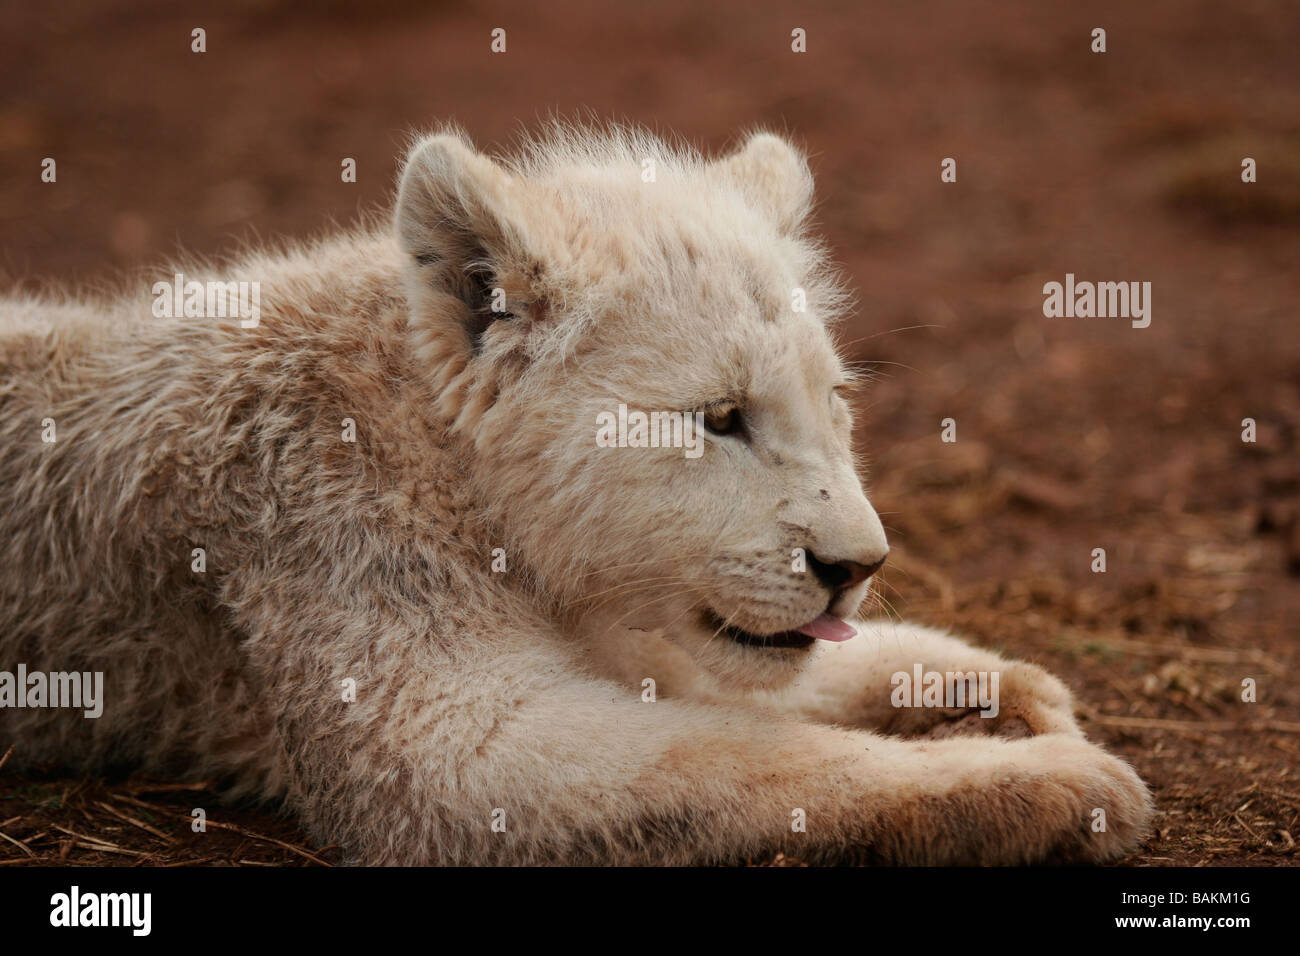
{"type": "Point", "coordinates": [828, 628]}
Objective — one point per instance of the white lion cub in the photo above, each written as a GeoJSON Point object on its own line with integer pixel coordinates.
{"type": "Point", "coordinates": [366, 555]}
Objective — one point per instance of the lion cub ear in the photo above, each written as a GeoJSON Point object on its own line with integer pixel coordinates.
{"type": "Point", "coordinates": [454, 219]}
{"type": "Point", "coordinates": [774, 176]}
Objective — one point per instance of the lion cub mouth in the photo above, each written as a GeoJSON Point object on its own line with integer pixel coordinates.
{"type": "Point", "coordinates": [826, 627]}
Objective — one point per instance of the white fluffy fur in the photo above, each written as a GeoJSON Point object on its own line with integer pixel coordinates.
{"type": "Point", "coordinates": [519, 690]}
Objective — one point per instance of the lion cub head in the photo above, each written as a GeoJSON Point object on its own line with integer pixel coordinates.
{"type": "Point", "coordinates": [631, 341]}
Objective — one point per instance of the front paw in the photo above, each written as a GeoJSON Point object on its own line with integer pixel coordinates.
{"type": "Point", "coordinates": [1014, 700]}
{"type": "Point", "coordinates": [1052, 799]}
{"type": "Point", "coordinates": [1101, 807]}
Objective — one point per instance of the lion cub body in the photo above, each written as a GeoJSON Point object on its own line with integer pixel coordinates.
{"type": "Point", "coordinates": [366, 556]}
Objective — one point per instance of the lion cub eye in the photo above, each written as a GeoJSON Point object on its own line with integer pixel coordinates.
{"type": "Point", "coordinates": [723, 419]}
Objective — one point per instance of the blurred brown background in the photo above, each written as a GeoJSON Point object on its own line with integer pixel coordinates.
{"type": "Point", "coordinates": [1073, 434]}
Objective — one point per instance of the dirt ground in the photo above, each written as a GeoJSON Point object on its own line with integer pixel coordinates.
{"type": "Point", "coordinates": [1072, 434]}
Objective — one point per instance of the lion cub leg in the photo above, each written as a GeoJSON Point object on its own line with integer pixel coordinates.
{"type": "Point", "coordinates": [878, 680]}
{"type": "Point", "coordinates": [582, 774]}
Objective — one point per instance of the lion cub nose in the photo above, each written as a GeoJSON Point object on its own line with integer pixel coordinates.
{"type": "Point", "coordinates": [843, 575]}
